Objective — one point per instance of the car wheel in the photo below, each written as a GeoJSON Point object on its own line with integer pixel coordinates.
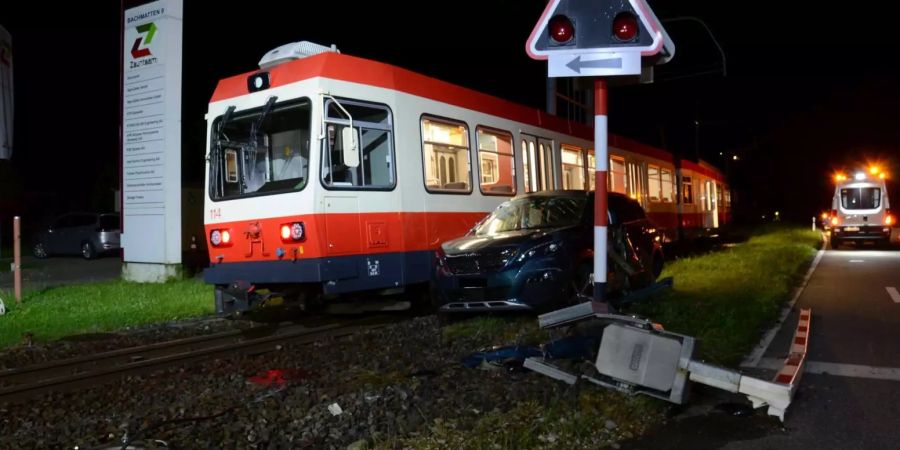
{"type": "Point", "coordinates": [39, 250]}
{"type": "Point", "coordinates": [87, 251]}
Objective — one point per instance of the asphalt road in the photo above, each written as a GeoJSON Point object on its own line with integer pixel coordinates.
{"type": "Point", "coordinates": [62, 270]}
{"type": "Point", "coordinates": [849, 396]}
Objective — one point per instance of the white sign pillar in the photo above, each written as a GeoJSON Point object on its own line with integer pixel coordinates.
{"type": "Point", "coordinates": [151, 141]}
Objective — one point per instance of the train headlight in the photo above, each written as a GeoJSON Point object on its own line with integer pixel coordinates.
{"type": "Point", "coordinates": [226, 237]}
{"type": "Point", "coordinates": [215, 237]}
{"type": "Point", "coordinates": [293, 231]}
{"type": "Point", "coordinates": [297, 231]}
{"type": "Point", "coordinates": [258, 81]}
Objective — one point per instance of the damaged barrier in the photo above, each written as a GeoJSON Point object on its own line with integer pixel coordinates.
{"type": "Point", "coordinates": [636, 356]}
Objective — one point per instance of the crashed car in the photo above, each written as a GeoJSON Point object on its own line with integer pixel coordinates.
{"type": "Point", "coordinates": [535, 252]}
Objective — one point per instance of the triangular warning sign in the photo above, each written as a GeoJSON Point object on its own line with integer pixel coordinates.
{"type": "Point", "coordinates": [589, 26]}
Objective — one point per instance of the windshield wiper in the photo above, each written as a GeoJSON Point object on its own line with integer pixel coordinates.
{"type": "Point", "coordinates": [217, 157]}
{"type": "Point", "coordinates": [254, 128]}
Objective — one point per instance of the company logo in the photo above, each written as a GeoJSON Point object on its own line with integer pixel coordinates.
{"type": "Point", "coordinates": [147, 31]}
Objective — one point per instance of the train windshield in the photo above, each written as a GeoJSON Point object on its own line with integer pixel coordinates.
{"type": "Point", "coordinates": [861, 198]}
{"type": "Point", "coordinates": [260, 151]}
{"type": "Point", "coordinates": [533, 213]}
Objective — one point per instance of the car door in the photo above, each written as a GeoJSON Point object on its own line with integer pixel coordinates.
{"type": "Point", "coordinates": [83, 230]}
{"type": "Point", "coordinates": [55, 234]}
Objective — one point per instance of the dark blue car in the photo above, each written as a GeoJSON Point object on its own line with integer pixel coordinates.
{"type": "Point", "coordinates": [535, 252]}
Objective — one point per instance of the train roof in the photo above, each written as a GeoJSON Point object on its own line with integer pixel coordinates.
{"type": "Point", "coordinates": [360, 70]}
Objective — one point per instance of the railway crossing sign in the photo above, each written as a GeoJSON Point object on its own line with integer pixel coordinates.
{"type": "Point", "coordinates": [599, 38]}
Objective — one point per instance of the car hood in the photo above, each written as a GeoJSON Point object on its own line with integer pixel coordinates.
{"type": "Point", "coordinates": [472, 243]}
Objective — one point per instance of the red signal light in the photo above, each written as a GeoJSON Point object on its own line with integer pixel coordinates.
{"type": "Point", "coordinates": [561, 29]}
{"type": "Point", "coordinates": [625, 27]}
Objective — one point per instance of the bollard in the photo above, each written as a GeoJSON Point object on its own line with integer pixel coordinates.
{"type": "Point", "coordinates": [17, 258]}
{"type": "Point", "coordinates": [814, 223]}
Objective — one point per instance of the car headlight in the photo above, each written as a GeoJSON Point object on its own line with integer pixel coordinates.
{"type": "Point", "coordinates": [547, 248]}
{"type": "Point", "coordinates": [439, 256]}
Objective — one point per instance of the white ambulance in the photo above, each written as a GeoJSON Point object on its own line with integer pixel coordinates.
{"type": "Point", "coordinates": [860, 209]}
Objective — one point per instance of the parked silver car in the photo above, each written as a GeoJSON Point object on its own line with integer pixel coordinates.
{"type": "Point", "coordinates": [85, 234]}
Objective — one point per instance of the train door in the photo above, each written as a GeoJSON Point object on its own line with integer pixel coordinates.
{"type": "Point", "coordinates": [529, 163]}
{"type": "Point", "coordinates": [710, 205]}
{"type": "Point", "coordinates": [636, 182]}
{"type": "Point", "coordinates": [538, 163]}
{"type": "Point", "coordinates": [359, 177]}
{"type": "Point", "coordinates": [721, 205]}
{"type": "Point", "coordinates": [548, 160]}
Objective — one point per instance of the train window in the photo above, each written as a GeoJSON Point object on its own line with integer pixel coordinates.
{"type": "Point", "coordinates": [668, 185]}
{"type": "Point", "coordinates": [260, 151]}
{"type": "Point", "coordinates": [654, 187]}
{"type": "Point", "coordinates": [687, 191]}
{"type": "Point", "coordinates": [445, 147]}
{"type": "Point", "coordinates": [231, 169]}
{"type": "Point", "coordinates": [617, 180]}
{"type": "Point", "coordinates": [497, 162]}
{"type": "Point", "coordinates": [591, 170]}
{"type": "Point", "coordinates": [572, 167]}
{"type": "Point", "coordinates": [660, 184]}
{"type": "Point", "coordinates": [527, 171]}
{"type": "Point", "coordinates": [374, 130]}
{"type": "Point", "coordinates": [534, 167]}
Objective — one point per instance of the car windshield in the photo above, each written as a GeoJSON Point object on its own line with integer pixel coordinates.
{"type": "Point", "coordinates": [861, 198]}
{"type": "Point", "coordinates": [532, 213]}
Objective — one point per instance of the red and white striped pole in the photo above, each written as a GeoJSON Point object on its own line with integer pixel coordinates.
{"type": "Point", "coordinates": [601, 218]}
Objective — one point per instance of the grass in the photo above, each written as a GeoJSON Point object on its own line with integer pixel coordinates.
{"type": "Point", "coordinates": [557, 425]}
{"type": "Point", "coordinates": [727, 298]}
{"type": "Point", "coordinates": [58, 312]}
{"type": "Point", "coordinates": [513, 329]}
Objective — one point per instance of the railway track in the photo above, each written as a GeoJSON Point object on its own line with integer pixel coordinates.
{"type": "Point", "coordinates": [80, 372]}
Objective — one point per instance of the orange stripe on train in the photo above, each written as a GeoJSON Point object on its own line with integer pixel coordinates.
{"type": "Point", "coordinates": [340, 235]}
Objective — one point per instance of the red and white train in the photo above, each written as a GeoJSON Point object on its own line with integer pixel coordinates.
{"type": "Point", "coordinates": [330, 174]}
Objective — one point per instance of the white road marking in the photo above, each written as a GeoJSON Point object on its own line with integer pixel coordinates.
{"type": "Point", "coordinates": [856, 260]}
{"type": "Point", "coordinates": [753, 358]}
{"type": "Point", "coordinates": [839, 370]}
{"type": "Point", "coordinates": [892, 291]}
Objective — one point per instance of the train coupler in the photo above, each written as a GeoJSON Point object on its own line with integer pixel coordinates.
{"type": "Point", "coordinates": [242, 296]}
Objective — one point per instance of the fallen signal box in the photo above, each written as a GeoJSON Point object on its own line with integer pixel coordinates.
{"type": "Point", "coordinates": [637, 356]}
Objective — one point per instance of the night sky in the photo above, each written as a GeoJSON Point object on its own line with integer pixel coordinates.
{"type": "Point", "coordinates": [807, 90]}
